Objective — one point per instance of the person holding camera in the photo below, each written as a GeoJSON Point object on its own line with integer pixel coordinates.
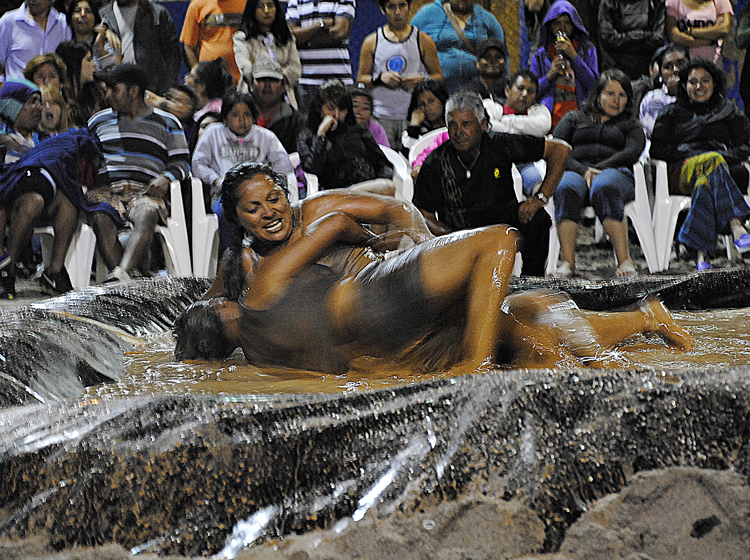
{"type": "Point", "coordinates": [567, 64]}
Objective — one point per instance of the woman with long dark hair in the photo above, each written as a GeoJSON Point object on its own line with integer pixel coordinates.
{"type": "Point", "coordinates": [264, 35]}
{"type": "Point", "coordinates": [338, 150]}
{"type": "Point", "coordinates": [705, 138]}
{"type": "Point", "coordinates": [85, 96]}
{"type": "Point", "coordinates": [426, 111]}
{"type": "Point", "coordinates": [85, 23]}
{"type": "Point", "coordinates": [607, 140]}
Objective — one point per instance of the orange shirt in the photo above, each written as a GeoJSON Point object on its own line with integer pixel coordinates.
{"type": "Point", "coordinates": [209, 25]}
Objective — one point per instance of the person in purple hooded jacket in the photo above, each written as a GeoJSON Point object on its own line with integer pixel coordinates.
{"type": "Point", "coordinates": [567, 63]}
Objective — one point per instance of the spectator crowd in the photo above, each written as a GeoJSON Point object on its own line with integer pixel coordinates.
{"type": "Point", "coordinates": [95, 126]}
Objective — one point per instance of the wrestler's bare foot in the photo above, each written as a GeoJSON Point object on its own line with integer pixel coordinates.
{"type": "Point", "coordinates": [660, 322]}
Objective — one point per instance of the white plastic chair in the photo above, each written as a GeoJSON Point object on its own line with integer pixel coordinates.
{"type": "Point", "coordinates": [553, 249]}
{"type": "Point", "coordinates": [423, 142]}
{"type": "Point", "coordinates": [173, 236]}
{"type": "Point", "coordinates": [291, 178]}
{"type": "Point", "coordinates": [312, 180]}
{"type": "Point", "coordinates": [401, 174]}
{"type": "Point", "coordinates": [667, 208]}
{"type": "Point", "coordinates": [205, 234]}
{"type": "Point", "coordinates": [79, 256]}
{"type": "Point", "coordinates": [639, 213]}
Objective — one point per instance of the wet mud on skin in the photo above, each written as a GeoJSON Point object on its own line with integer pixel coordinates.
{"type": "Point", "coordinates": [527, 461]}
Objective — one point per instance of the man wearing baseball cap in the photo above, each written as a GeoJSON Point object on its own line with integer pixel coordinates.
{"type": "Point", "coordinates": [144, 151]}
{"type": "Point", "coordinates": [274, 111]}
{"type": "Point", "coordinates": [492, 59]}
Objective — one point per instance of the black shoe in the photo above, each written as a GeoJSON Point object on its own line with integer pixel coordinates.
{"type": "Point", "coordinates": [7, 283]}
{"type": "Point", "coordinates": [55, 283]}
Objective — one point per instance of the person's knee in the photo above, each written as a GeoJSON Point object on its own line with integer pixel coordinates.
{"type": "Point", "coordinates": [102, 222]}
{"type": "Point", "coordinates": [144, 217]}
{"type": "Point", "coordinates": [31, 203]}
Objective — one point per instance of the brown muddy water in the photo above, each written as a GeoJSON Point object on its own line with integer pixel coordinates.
{"type": "Point", "coordinates": [722, 341]}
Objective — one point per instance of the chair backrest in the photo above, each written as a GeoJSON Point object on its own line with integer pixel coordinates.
{"type": "Point", "coordinates": [401, 174]}
{"type": "Point", "coordinates": [310, 179]}
{"type": "Point", "coordinates": [424, 141]}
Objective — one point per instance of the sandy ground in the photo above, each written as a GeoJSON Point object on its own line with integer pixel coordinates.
{"type": "Point", "coordinates": [685, 513]}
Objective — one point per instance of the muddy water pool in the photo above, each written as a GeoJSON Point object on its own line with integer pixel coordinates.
{"type": "Point", "coordinates": [722, 341]}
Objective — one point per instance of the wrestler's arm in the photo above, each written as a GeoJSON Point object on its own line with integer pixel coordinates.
{"type": "Point", "coordinates": [217, 287]}
{"type": "Point", "coordinates": [401, 217]}
{"type": "Point", "coordinates": [275, 271]}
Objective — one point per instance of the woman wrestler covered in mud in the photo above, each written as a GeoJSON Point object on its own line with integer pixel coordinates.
{"type": "Point", "coordinates": [310, 287]}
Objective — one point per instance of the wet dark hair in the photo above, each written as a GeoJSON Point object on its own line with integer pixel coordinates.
{"type": "Point", "coordinates": [199, 333]}
{"type": "Point", "coordinates": [593, 104]}
{"type": "Point", "coordinates": [234, 97]}
{"type": "Point", "coordinates": [720, 81]}
{"type": "Point", "coordinates": [338, 93]}
{"type": "Point", "coordinates": [239, 174]}
{"type": "Point", "coordinates": [214, 75]}
{"type": "Point", "coordinates": [95, 6]}
{"type": "Point", "coordinates": [434, 87]}
{"type": "Point", "coordinates": [251, 28]}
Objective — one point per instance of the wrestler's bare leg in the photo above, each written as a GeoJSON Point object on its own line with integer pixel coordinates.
{"type": "Point", "coordinates": [543, 336]}
{"type": "Point", "coordinates": [479, 264]}
{"type": "Point", "coordinates": [651, 317]}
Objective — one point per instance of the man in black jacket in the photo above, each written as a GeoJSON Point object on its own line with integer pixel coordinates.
{"type": "Point", "coordinates": [149, 39]}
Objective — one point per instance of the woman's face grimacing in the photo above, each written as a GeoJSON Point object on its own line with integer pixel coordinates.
{"type": "Point", "coordinates": [264, 211]}
{"type": "Point", "coordinates": [51, 113]}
